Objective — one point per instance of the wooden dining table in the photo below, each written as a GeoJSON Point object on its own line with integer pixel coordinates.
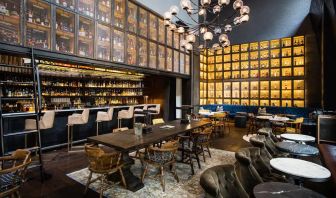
{"type": "Point", "coordinates": [127, 142]}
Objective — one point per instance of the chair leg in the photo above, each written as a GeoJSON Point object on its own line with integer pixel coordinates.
{"type": "Point", "coordinates": [144, 173]}
{"type": "Point", "coordinates": [122, 178]}
{"type": "Point", "coordinates": [208, 150]}
{"type": "Point", "coordinates": [71, 136]}
{"type": "Point", "coordinates": [198, 160]}
{"type": "Point", "coordinates": [88, 183]}
{"type": "Point", "coordinates": [101, 186]}
{"type": "Point", "coordinates": [203, 153]}
{"type": "Point", "coordinates": [191, 164]}
{"type": "Point", "coordinates": [174, 173]}
{"type": "Point", "coordinates": [162, 178]}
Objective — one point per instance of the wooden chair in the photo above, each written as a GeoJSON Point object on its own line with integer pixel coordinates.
{"type": "Point", "coordinates": [218, 122]}
{"type": "Point", "coordinates": [160, 158]}
{"type": "Point", "coordinates": [190, 150]}
{"type": "Point", "coordinates": [203, 140]}
{"type": "Point", "coordinates": [13, 172]}
{"type": "Point", "coordinates": [294, 126]}
{"type": "Point", "coordinates": [103, 164]}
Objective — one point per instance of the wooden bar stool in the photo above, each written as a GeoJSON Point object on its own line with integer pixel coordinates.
{"type": "Point", "coordinates": [103, 116]}
{"type": "Point", "coordinates": [76, 119]}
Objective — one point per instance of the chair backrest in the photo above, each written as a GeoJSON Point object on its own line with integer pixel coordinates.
{"type": "Point", "coordinates": [259, 141]}
{"type": "Point", "coordinates": [222, 181]}
{"type": "Point", "coordinates": [48, 119]}
{"type": "Point", "coordinates": [299, 120]}
{"type": "Point", "coordinates": [164, 154]}
{"type": "Point", "coordinates": [110, 113]}
{"type": "Point", "coordinates": [246, 172]}
{"type": "Point", "coordinates": [99, 160]}
{"type": "Point", "coordinates": [158, 121]}
{"type": "Point", "coordinates": [85, 115]}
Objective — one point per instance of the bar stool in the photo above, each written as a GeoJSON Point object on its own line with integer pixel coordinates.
{"type": "Point", "coordinates": [76, 119]}
{"type": "Point", "coordinates": [103, 116]}
{"type": "Point", "coordinates": [138, 113]}
{"type": "Point", "coordinates": [125, 114]}
{"type": "Point", "coordinates": [156, 110]}
{"type": "Point", "coordinates": [46, 122]}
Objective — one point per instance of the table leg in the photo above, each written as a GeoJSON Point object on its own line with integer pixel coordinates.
{"type": "Point", "coordinates": [133, 183]}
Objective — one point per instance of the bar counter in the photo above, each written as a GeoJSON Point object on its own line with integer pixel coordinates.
{"type": "Point", "coordinates": [57, 136]}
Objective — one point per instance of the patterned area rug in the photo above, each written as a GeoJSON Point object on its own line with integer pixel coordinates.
{"type": "Point", "coordinates": [187, 187]}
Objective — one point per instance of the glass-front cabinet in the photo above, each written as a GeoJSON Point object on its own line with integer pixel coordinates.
{"type": "Point", "coordinates": [65, 23]}
{"type": "Point", "coordinates": [143, 22]}
{"type": "Point", "coordinates": [131, 49]}
{"type": "Point", "coordinates": [119, 13]}
{"type": "Point", "coordinates": [118, 46]}
{"type": "Point", "coordinates": [70, 4]}
{"type": "Point", "coordinates": [103, 13]}
{"type": "Point", "coordinates": [86, 7]}
{"type": "Point", "coordinates": [110, 30]}
{"type": "Point", "coordinates": [142, 50]}
{"type": "Point", "coordinates": [38, 24]}
{"type": "Point", "coordinates": [85, 37]}
{"type": "Point", "coordinates": [162, 32]}
{"type": "Point", "coordinates": [103, 43]}
{"type": "Point", "coordinates": [153, 27]}
{"type": "Point", "coordinates": [132, 17]}
{"type": "Point", "coordinates": [10, 21]}
{"type": "Point", "coordinates": [162, 56]}
{"type": "Point", "coordinates": [152, 55]}
{"type": "Point", "coordinates": [169, 60]}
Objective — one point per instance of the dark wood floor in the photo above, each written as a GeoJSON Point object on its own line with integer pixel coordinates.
{"type": "Point", "coordinates": [58, 163]}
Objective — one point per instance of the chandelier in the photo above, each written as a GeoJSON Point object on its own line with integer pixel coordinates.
{"type": "Point", "coordinates": [203, 26]}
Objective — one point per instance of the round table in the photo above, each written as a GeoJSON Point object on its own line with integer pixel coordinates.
{"type": "Point", "coordinates": [301, 169]}
{"type": "Point", "coordinates": [279, 189]}
{"type": "Point", "coordinates": [297, 149]}
{"type": "Point", "coordinates": [297, 137]}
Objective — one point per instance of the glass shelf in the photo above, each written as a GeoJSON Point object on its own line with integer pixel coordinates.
{"type": "Point", "coordinates": [219, 59]}
{"type": "Point", "coordinates": [264, 64]}
{"type": "Point", "coordinates": [299, 40]}
{"type": "Point", "coordinates": [169, 60]}
{"type": "Point", "coordinates": [264, 45]}
{"type": "Point", "coordinates": [264, 54]}
{"type": "Point", "coordinates": [227, 58]}
{"type": "Point", "coordinates": [244, 47]}
{"type": "Point", "coordinates": [286, 72]}
{"type": "Point", "coordinates": [244, 56]}
{"type": "Point", "coordinates": [104, 11]}
{"type": "Point", "coordinates": [86, 7]}
{"type": "Point", "coordinates": [286, 52]}
{"type": "Point", "coordinates": [235, 48]}
{"type": "Point", "coordinates": [286, 62]}
{"type": "Point", "coordinates": [244, 65]}
{"type": "Point", "coordinates": [132, 17]}
{"type": "Point", "coordinates": [254, 46]}
{"type": "Point", "coordinates": [85, 37]}
{"type": "Point", "coordinates": [64, 31]}
{"type": "Point", "coordinates": [299, 71]}
{"type": "Point", "coordinates": [118, 46]}
{"type": "Point", "coordinates": [298, 51]}
{"type": "Point", "coordinates": [254, 55]}
{"type": "Point", "coordinates": [244, 74]}
{"type": "Point", "coordinates": [152, 55]}
{"type": "Point", "coordinates": [275, 43]}
{"type": "Point", "coordinates": [131, 49]}
{"type": "Point", "coordinates": [10, 21]}
{"type": "Point", "coordinates": [275, 53]}
{"type": "Point", "coordinates": [38, 24]}
{"type": "Point", "coordinates": [219, 67]}
{"type": "Point", "coordinates": [119, 13]}
{"type": "Point", "coordinates": [275, 62]}
{"type": "Point", "coordinates": [142, 49]}
{"type": "Point", "coordinates": [162, 55]}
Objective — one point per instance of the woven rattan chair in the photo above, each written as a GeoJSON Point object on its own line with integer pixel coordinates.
{"type": "Point", "coordinates": [13, 172]}
{"type": "Point", "coordinates": [160, 158]}
{"type": "Point", "coordinates": [102, 164]}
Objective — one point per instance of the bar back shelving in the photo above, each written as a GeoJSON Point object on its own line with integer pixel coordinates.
{"type": "Point", "coordinates": [265, 73]}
